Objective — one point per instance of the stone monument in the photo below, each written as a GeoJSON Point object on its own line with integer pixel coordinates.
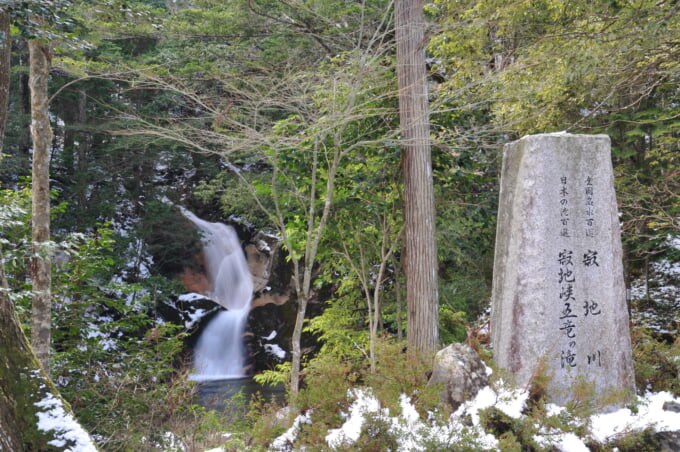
{"type": "Point", "coordinates": [559, 298]}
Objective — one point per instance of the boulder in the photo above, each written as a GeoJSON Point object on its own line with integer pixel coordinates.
{"type": "Point", "coordinates": [191, 310]}
{"type": "Point", "coordinates": [673, 407]}
{"type": "Point", "coordinates": [269, 329]}
{"type": "Point", "coordinates": [461, 371]}
{"type": "Point", "coordinates": [260, 253]}
{"type": "Point", "coordinates": [667, 441]}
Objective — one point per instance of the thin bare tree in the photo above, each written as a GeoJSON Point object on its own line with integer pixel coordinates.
{"type": "Point", "coordinates": [5, 71]}
{"type": "Point", "coordinates": [41, 133]}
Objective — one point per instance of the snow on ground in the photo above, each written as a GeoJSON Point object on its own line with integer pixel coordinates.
{"type": "Point", "coordinates": [364, 403]}
{"type": "Point", "coordinates": [285, 441]}
{"type": "Point", "coordinates": [172, 442]}
{"type": "Point", "coordinates": [561, 441]}
{"type": "Point", "coordinates": [650, 414]}
{"type": "Point", "coordinates": [66, 429]}
{"type": "Point", "coordinates": [509, 401]}
{"type": "Point", "coordinates": [415, 434]}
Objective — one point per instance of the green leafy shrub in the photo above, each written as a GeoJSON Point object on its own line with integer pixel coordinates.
{"type": "Point", "coordinates": [376, 434]}
{"type": "Point", "coordinates": [397, 374]}
{"type": "Point", "coordinates": [657, 363]}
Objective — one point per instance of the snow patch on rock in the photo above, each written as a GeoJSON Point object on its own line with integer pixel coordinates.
{"type": "Point", "coordinates": [194, 318]}
{"type": "Point", "coordinates": [275, 350]}
{"type": "Point", "coordinates": [53, 418]}
{"type": "Point", "coordinates": [271, 336]}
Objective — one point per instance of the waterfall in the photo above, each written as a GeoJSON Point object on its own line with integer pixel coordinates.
{"type": "Point", "coordinates": [219, 352]}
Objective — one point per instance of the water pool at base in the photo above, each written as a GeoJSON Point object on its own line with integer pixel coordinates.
{"type": "Point", "coordinates": [234, 395]}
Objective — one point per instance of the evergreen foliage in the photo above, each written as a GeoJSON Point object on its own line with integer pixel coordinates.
{"type": "Point", "coordinates": [283, 115]}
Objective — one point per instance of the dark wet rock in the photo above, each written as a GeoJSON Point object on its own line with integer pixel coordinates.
{"type": "Point", "coordinates": [672, 406]}
{"type": "Point", "coordinates": [268, 334]}
{"type": "Point", "coordinates": [192, 310]}
{"type": "Point", "coordinates": [667, 441]}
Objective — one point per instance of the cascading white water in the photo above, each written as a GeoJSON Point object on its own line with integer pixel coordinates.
{"type": "Point", "coordinates": [219, 352]}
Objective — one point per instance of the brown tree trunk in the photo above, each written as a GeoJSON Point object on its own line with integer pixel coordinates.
{"type": "Point", "coordinates": [83, 149]}
{"type": "Point", "coordinates": [5, 54]}
{"type": "Point", "coordinates": [25, 389]}
{"type": "Point", "coordinates": [419, 212]}
{"type": "Point", "coordinates": [41, 134]}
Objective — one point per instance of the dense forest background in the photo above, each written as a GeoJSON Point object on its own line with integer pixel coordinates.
{"type": "Point", "coordinates": [258, 112]}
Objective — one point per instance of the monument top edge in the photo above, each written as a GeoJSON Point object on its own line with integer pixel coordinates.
{"type": "Point", "coordinates": [564, 134]}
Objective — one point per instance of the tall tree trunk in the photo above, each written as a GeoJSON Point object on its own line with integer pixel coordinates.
{"type": "Point", "coordinates": [41, 134]}
{"type": "Point", "coordinates": [5, 65]}
{"type": "Point", "coordinates": [419, 212]}
{"type": "Point", "coordinates": [83, 149]}
{"type": "Point", "coordinates": [26, 392]}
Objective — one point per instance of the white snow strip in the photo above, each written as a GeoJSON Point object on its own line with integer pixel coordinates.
{"type": "Point", "coordinates": [94, 331]}
{"type": "Point", "coordinates": [564, 442]}
{"type": "Point", "coordinates": [509, 401]}
{"type": "Point", "coordinates": [274, 349]}
{"type": "Point", "coordinates": [553, 410]}
{"type": "Point", "coordinates": [364, 403]}
{"type": "Point", "coordinates": [285, 442]}
{"type": "Point", "coordinates": [414, 433]}
{"type": "Point", "coordinates": [650, 414]}
{"type": "Point", "coordinates": [192, 296]}
{"type": "Point", "coordinates": [512, 401]}
{"type": "Point", "coordinates": [485, 398]}
{"type": "Point", "coordinates": [271, 336]}
{"type": "Point", "coordinates": [408, 411]}
{"type": "Point", "coordinates": [108, 344]}
{"type": "Point", "coordinates": [171, 442]}
{"type": "Point", "coordinates": [194, 317]}
{"type": "Point", "coordinates": [66, 428]}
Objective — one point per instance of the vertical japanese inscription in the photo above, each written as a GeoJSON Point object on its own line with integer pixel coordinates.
{"type": "Point", "coordinates": [564, 208]}
{"type": "Point", "coordinates": [566, 281]}
{"type": "Point", "coordinates": [591, 307]}
{"type": "Point", "coordinates": [589, 207]}
{"type": "Point", "coordinates": [585, 308]}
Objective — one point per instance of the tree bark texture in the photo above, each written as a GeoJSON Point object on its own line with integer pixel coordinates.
{"type": "Point", "coordinates": [419, 211]}
{"type": "Point", "coordinates": [296, 352]}
{"type": "Point", "coordinates": [5, 66]}
{"type": "Point", "coordinates": [41, 134]}
{"type": "Point", "coordinates": [17, 387]}
{"type": "Point", "coordinates": [23, 383]}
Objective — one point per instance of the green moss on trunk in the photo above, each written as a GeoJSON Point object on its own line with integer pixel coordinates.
{"type": "Point", "coordinates": [22, 384]}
